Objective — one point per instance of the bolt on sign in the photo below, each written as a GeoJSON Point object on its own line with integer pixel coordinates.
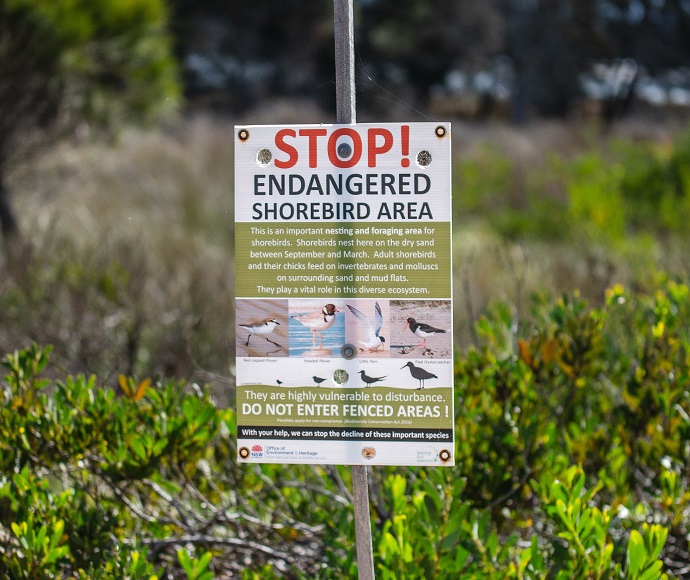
{"type": "Point", "coordinates": [343, 285]}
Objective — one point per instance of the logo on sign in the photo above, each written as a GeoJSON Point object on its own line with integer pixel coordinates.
{"type": "Point", "coordinates": [368, 452]}
{"type": "Point", "coordinates": [427, 456]}
{"type": "Point", "coordinates": [257, 451]}
{"type": "Point", "coordinates": [243, 452]}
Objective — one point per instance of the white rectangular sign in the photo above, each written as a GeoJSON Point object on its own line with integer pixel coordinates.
{"type": "Point", "coordinates": [344, 294]}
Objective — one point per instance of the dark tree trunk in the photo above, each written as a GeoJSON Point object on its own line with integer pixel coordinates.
{"type": "Point", "coordinates": [8, 220]}
{"type": "Point", "coordinates": [17, 251]}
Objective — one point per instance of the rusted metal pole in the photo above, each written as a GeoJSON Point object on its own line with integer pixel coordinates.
{"type": "Point", "coordinates": [343, 17]}
{"type": "Point", "coordinates": [365, 552]}
{"type": "Point", "coordinates": [344, 61]}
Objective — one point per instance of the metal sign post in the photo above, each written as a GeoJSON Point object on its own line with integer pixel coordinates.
{"type": "Point", "coordinates": [346, 112]}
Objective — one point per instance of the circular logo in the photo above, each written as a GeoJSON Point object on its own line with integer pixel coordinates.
{"type": "Point", "coordinates": [243, 452]}
{"type": "Point", "coordinates": [444, 455]}
{"type": "Point", "coordinates": [368, 452]}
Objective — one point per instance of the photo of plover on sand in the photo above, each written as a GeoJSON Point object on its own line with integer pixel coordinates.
{"type": "Point", "coordinates": [262, 328]}
{"type": "Point", "coordinates": [317, 327]}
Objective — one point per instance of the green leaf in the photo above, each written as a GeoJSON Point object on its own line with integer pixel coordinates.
{"type": "Point", "coordinates": [136, 444]}
{"type": "Point", "coordinates": [204, 561]}
{"type": "Point", "coordinates": [655, 538]}
{"type": "Point", "coordinates": [637, 554]}
{"type": "Point", "coordinates": [653, 572]}
{"type": "Point", "coordinates": [185, 561]}
{"type": "Point", "coordinates": [57, 533]}
{"type": "Point", "coordinates": [431, 507]}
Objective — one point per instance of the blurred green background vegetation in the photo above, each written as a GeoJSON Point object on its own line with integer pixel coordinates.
{"type": "Point", "coordinates": [130, 260]}
{"type": "Point", "coordinates": [117, 454]}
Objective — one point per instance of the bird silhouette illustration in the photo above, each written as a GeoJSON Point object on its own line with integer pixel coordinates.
{"type": "Point", "coordinates": [318, 380]}
{"type": "Point", "coordinates": [279, 382]}
{"type": "Point", "coordinates": [370, 380]}
{"type": "Point", "coordinates": [420, 374]}
{"type": "Point", "coordinates": [319, 320]}
{"type": "Point", "coordinates": [374, 340]}
{"type": "Point", "coordinates": [422, 330]}
{"type": "Point", "coordinates": [262, 328]}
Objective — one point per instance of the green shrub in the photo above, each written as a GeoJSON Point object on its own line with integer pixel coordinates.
{"type": "Point", "coordinates": [612, 192]}
{"type": "Point", "coordinates": [572, 451]}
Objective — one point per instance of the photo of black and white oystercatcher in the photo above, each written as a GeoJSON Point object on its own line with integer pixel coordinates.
{"type": "Point", "coordinates": [421, 329]}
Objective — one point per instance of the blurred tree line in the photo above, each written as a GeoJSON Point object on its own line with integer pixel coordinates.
{"type": "Point", "coordinates": [76, 66]}
{"type": "Point", "coordinates": [236, 52]}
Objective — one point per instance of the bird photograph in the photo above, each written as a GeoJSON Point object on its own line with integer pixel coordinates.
{"type": "Point", "coordinates": [419, 373]}
{"type": "Point", "coordinates": [421, 328]}
{"type": "Point", "coordinates": [316, 328]}
{"type": "Point", "coordinates": [367, 380]}
{"type": "Point", "coordinates": [366, 331]}
{"type": "Point", "coordinates": [262, 328]}
{"type": "Point", "coordinates": [259, 329]}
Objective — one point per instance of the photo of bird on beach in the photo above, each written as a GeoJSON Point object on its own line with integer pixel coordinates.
{"type": "Point", "coordinates": [366, 327]}
{"type": "Point", "coordinates": [421, 328]}
{"type": "Point", "coordinates": [316, 328]}
{"type": "Point", "coordinates": [262, 328]}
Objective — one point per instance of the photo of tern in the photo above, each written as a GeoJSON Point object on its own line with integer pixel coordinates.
{"type": "Point", "coordinates": [316, 328]}
{"type": "Point", "coordinates": [262, 328]}
{"type": "Point", "coordinates": [421, 328]}
{"type": "Point", "coordinates": [367, 327]}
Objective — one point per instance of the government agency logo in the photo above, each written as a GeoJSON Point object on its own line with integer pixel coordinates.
{"type": "Point", "coordinates": [243, 452]}
{"type": "Point", "coordinates": [429, 455]}
{"type": "Point", "coordinates": [368, 452]}
{"type": "Point", "coordinates": [257, 451]}
{"type": "Point", "coordinates": [432, 455]}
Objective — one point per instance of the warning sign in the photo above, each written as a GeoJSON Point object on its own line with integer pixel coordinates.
{"type": "Point", "coordinates": [344, 312]}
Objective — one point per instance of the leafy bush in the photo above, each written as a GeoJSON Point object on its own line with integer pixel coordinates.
{"type": "Point", "coordinates": [612, 191]}
{"type": "Point", "coordinates": [573, 449]}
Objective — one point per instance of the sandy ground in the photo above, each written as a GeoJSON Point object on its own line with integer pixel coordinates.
{"type": "Point", "coordinates": [249, 311]}
{"type": "Point", "coordinates": [436, 313]}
